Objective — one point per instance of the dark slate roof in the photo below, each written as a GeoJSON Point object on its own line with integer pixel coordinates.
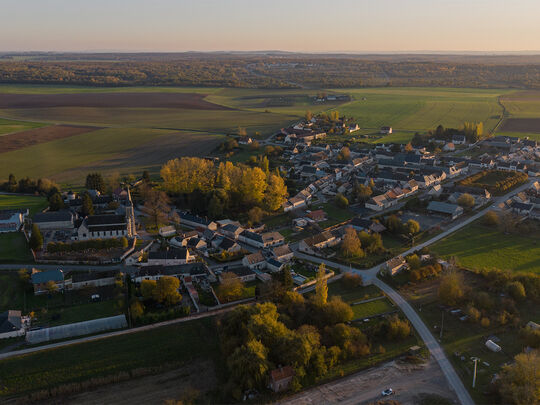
{"type": "Point", "coordinates": [442, 207]}
{"type": "Point", "coordinates": [96, 220]}
{"type": "Point", "coordinates": [172, 253]}
{"type": "Point", "coordinates": [53, 216]}
{"type": "Point", "coordinates": [240, 271]}
{"type": "Point", "coordinates": [252, 235]}
{"type": "Point", "coordinates": [227, 243]}
{"type": "Point", "coordinates": [48, 275]}
{"type": "Point", "coordinates": [193, 218]}
{"type": "Point", "coordinates": [10, 321]}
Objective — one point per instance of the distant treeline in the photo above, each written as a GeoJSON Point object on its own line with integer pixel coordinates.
{"type": "Point", "coordinates": [270, 71]}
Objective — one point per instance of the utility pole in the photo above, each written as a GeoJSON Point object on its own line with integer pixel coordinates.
{"type": "Point", "coordinates": [474, 375]}
{"type": "Point", "coordinates": [442, 324]}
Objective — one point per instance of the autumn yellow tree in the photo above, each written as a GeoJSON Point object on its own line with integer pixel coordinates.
{"type": "Point", "coordinates": [188, 174]}
{"type": "Point", "coordinates": [166, 291]}
{"type": "Point", "coordinates": [275, 193]}
{"type": "Point", "coordinates": [321, 287]}
{"type": "Point", "coordinates": [252, 186]}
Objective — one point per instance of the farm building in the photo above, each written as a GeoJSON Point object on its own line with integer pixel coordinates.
{"type": "Point", "coordinates": [54, 220]}
{"type": "Point", "coordinates": [12, 220]}
{"type": "Point", "coordinates": [451, 210]}
{"type": "Point", "coordinates": [385, 130]}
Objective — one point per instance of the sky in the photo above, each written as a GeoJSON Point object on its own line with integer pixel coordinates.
{"type": "Point", "coordinates": [288, 25]}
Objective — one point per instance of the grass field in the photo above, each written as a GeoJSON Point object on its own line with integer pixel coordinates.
{"type": "Point", "coordinates": [14, 249]}
{"type": "Point", "coordinates": [174, 345]}
{"type": "Point", "coordinates": [11, 126]}
{"type": "Point", "coordinates": [477, 246]}
{"type": "Point", "coordinates": [372, 308]}
{"type": "Point", "coordinates": [33, 203]}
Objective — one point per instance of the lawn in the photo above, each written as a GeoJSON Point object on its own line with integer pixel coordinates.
{"type": "Point", "coordinates": [144, 350]}
{"type": "Point", "coordinates": [352, 295]}
{"type": "Point", "coordinates": [372, 308]}
{"type": "Point", "coordinates": [33, 203]}
{"type": "Point", "coordinates": [477, 246]}
{"type": "Point", "coordinates": [14, 248]}
{"type": "Point", "coordinates": [335, 214]}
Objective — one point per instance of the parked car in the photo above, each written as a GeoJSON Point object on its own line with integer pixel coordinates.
{"type": "Point", "coordinates": [387, 392]}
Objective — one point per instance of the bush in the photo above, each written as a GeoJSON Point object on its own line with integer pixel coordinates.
{"type": "Point", "coordinates": [352, 280]}
{"type": "Point", "coordinates": [341, 201]}
{"type": "Point", "coordinates": [516, 291]}
{"type": "Point", "coordinates": [491, 219]}
{"type": "Point", "coordinates": [485, 322]}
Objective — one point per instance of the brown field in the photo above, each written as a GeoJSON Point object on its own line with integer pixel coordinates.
{"type": "Point", "coordinates": [31, 137]}
{"type": "Point", "coordinates": [530, 125]}
{"type": "Point", "coordinates": [108, 100]}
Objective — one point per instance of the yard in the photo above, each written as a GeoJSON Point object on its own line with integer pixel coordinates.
{"type": "Point", "coordinates": [14, 248]}
{"type": "Point", "coordinates": [335, 214]}
{"type": "Point", "coordinates": [372, 308]}
{"type": "Point", "coordinates": [477, 246]}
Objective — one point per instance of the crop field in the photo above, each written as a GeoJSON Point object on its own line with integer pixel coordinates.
{"type": "Point", "coordinates": [11, 126]}
{"type": "Point", "coordinates": [531, 125]}
{"type": "Point", "coordinates": [477, 247]}
{"type": "Point", "coordinates": [108, 357]}
{"type": "Point", "coordinates": [145, 126]}
{"type": "Point", "coordinates": [33, 203]}
{"type": "Point", "coordinates": [31, 137]}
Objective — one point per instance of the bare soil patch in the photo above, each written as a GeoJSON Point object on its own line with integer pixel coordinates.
{"type": "Point", "coordinates": [110, 100]}
{"type": "Point", "coordinates": [530, 125]}
{"type": "Point", "coordinates": [31, 137]}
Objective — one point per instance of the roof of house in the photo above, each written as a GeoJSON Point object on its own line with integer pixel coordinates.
{"type": "Point", "coordinates": [240, 271]}
{"type": "Point", "coordinates": [280, 251]}
{"type": "Point", "coordinates": [443, 207]}
{"type": "Point", "coordinates": [319, 238]}
{"type": "Point", "coordinates": [395, 262]}
{"type": "Point", "coordinates": [172, 253]}
{"type": "Point", "coordinates": [317, 214]}
{"type": "Point", "coordinates": [227, 243]}
{"type": "Point", "coordinates": [41, 277]}
{"type": "Point", "coordinates": [186, 216]}
{"type": "Point", "coordinates": [10, 321]}
{"type": "Point", "coordinates": [281, 373]}
{"type": "Point", "coordinates": [98, 220]}
{"type": "Point", "coordinates": [53, 216]}
{"type": "Point", "coordinates": [256, 257]}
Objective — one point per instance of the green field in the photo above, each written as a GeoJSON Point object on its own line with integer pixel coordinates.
{"type": "Point", "coordinates": [137, 139]}
{"type": "Point", "coordinates": [477, 247]}
{"type": "Point", "coordinates": [172, 345]}
{"type": "Point", "coordinates": [34, 203]}
{"type": "Point", "coordinates": [372, 308]}
{"type": "Point", "coordinates": [14, 249]}
{"type": "Point", "coordinates": [11, 126]}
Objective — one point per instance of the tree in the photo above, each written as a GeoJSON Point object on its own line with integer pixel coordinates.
{"type": "Point", "coordinates": [398, 329]}
{"type": "Point", "coordinates": [466, 201]}
{"type": "Point", "coordinates": [184, 175]}
{"type": "Point", "coordinates": [36, 238]}
{"type": "Point", "coordinates": [146, 176]}
{"type": "Point", "coordinates": [508, 222]}
{"type": "Point", "coordinates": [147, 289]}
{"type": "Point", "coordinates": [51, 287]}
{"type": "Point", "coordinates": [321, 288]}
{"type": "Point", "coordinates": [413, 227]}
{"type": "Point", "coordinates": [520, 380]}
{"type": "Point", "coordinates": [231, 287]}
{"type": "Point", "coordinates": [95, 181]}
{"type": "Point", "coordinates": [491, 219]}
{"type": "Point", "coordinates": [308, 116]}
{"type": "Point", "coordinates": [362, 192]}
{"type": "Point", "coordinates": [451, 288]}
{"type": "Point", "coordinates": [166, 291]}
{"type": "Point", "coordinates": [287, 279]}
{"type": "Point", "coordinates": [414, 262]}
{"type": "Point", "coordinates": [248, 366]}
{"type": "Point", "coordinates": [517, 291]}
{"type": "Point", "coordinates": [351, 245]}
{"type": "Point", "coordinates": [255, 215]}
{"type": "Point", "coordinates": [344, 154]}
{"type": "Point", "coordinates": [393, 224]}
{"type": "Point", "coordinates": [352, 280]}
{"type": "Point", "coordinates": [136, 309]}
{"type": "Point", "coordinates": [408, 147]}
{"type": "Point", "coordinates": [87, 205]}
{"type": "Point", "coordinates": [56, 202]}
{"type": "Point", "coordinates": [156, 206]}
{"type": "Point", "coordinates": [275, 193]}
{"type": "Point", "coordinates": [341, 201]}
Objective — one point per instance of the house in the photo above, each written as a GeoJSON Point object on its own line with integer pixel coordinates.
{"type": "Point", "coordinates": [280, 378]}
{"type": "Point", "coordinates": [93, 279]}
{"type": "Point", "coordinates": [451, 210]}
{"type": "Point", "coordinates": [395, 265]}
{"type": "Point", "coordinates": [170, 257]}
{"type": "Point", "coordinates": [367, 225]}
{"type": "Point", "coordinates": [435, 191]}
{"type": "Point", "coordinates": [54, 220]}
{"type": "Point", "coordinates": [182, 240]}
{"type": "Point", "coordinates": [105, 226]}
{"type": "Point", "coordinates": [261, 240]}
{"type": "Point", "coordinates": [40, 279]}
{"type": "Point", "coordinates": [385, 130]}
{"type": "Point", "coordinates": [196, 244]}
{"type": "Point", "coordinates": [317, 215]}
{"type": "Point", "coordinates": [231, 230]}
{"type": "Point", "coordinates": [293, 203]}
{"type": "Point", "coordinates": [449, 147]}
{"type": "Point", "coordinates": [459, 140]}
{"type": "Point", "coordinates": [274, 265]}
{"type": "Point", "coordinates": [166, 231]}
{"type": "Point", "coordinates": [254, 261]}
{"type": "Point", "coordinates": [12, 220]}
{"type": "Point", "coordinates": [245, 274]}
{"type": "Point", "coordinates": [320, 241]}
{"type": "Point", "coordinates": [196, 269]}
{"type": "Point", "coordinates": [521, 208]}
{"type": "Point", "coordinates": [283, 253]}
{"type": "Point", "coordinates": [11, 324]}
{"type": "Point", "coordinates": [353, 127]}
{"type": "Point", "coordinates": [228, 245]}
{"type": "Point", "coordinates": [245, 140]}
{"type": "Point", "coordinates": [195, 221]}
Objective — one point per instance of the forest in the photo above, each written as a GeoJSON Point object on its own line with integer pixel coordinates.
{"type": "Point", "coordinates": [270, 70]}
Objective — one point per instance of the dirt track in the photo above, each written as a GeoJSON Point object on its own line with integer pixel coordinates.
{"type": "Point", "coordinates": [131, 100]}
{"type": "Point", "coordinates": [31, 137]}
{"type": "Point", "coordinates": [408, 381]}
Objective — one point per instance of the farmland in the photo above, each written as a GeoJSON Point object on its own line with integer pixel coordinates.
{"type": "Point", "coordinates": [477, 247]}
{"type": "Point", "coordinates": [139, 128]}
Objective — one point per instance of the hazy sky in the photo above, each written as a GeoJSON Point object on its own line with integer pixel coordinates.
{"type": "Point", "coordinates": [293, 25]}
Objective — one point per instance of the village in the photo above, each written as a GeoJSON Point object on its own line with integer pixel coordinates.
{"type": "Point", "coordinates": [357, 210]}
